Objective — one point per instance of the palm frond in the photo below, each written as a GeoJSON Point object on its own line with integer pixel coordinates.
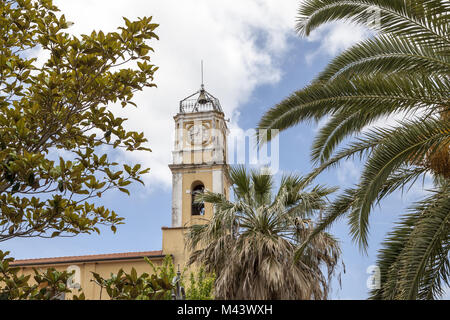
{"type": "Point", "coordinates": [431, 235]}
{"type": "Point", "coordinates": [241, 180]}
{"type": "Point", "coordinates": [387, 54]}
{"type": "Point", "coordinates": [397, 17]}
{"type": "Point", "coordinates": [395, 93]}
{"type": "Point", "coordinates": [361, 147]}
{"type": "Point", "coordinates": [414, 258]}
{"type": "Point", "coordinates": [337, 209]}
{"type": "Point", "coordinates": [262, 187]}
{"type": "Point", "coordinates": [410, 143]}
{"type": "Point", "coordinates": [401, 178]}
{"type": "Point", "coordinates": [388, 258]}
{"type": "Point", "coordinates": [343, 125]}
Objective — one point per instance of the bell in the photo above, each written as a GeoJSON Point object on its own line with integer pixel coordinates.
{"type": "Point", "coordinates": [202, 99]}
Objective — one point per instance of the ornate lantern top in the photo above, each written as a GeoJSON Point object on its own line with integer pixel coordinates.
{"type": "Point", "coordinates": [200, 101]}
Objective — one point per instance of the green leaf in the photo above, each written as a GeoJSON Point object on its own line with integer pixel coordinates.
{"type": "Point", "coordinates": [124, 190]}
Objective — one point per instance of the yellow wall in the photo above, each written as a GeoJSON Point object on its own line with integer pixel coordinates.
{"type": "Point", "coordinates": [103, 268]}
{"type": "Point", "coordinates": [174, 238]}
{"type": "Point", "coordinates": [174, 244]}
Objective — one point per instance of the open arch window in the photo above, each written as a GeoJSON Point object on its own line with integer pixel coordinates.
{"type": "Point", "coordinates": [198, 209]}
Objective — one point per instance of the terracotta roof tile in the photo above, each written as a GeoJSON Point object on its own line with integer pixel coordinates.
{"type": "Point", "coordinates": [88, 258]}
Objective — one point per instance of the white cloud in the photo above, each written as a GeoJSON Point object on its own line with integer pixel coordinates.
{"type": "Point", "coordinates": [335, 37]}
{"type": "Point", "coordinates": [238, 41]}
{"type": "Point", "coordinates": [348, 172]}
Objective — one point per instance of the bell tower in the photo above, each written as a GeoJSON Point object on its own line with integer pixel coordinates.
{"type": "Point", "coordinates": [199, 164]}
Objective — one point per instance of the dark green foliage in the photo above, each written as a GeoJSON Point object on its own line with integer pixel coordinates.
{"type": "Point", "coordinates": [62, 108]}
{"type": "Point", "coordinates": [131, 286]}
{"type": "Point", "coordinates": [201, 286]}
{"type": "Point", "coordinates": [49, 285]}
{"type": "Point", "coordinates": [155, 286]}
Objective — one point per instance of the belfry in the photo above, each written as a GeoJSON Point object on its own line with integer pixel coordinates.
{"type": "Point", "coordinates": [199, 163]}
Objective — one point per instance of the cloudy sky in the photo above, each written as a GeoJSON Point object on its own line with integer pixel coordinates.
{"type": "Point", "coordinates": [252, 59]}
{"type": "Point", "coordinates": [243, 47]}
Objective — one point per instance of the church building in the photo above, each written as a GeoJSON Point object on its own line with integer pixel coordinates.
{"type": "Point", "coordinates": [199, 163]}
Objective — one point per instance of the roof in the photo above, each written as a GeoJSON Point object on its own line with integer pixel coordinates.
{"type": "Point", "coordinates": [204, 102]}
{"type": "Point", "coordinates": [88, 258]}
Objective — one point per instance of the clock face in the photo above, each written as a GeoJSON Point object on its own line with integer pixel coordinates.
{"type": "Point", "coordinates": [198, 134]}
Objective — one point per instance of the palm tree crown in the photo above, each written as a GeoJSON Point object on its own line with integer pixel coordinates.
{"type": "Point", "coordinates": [403, 70]}
{"type": "Point", "coordinates": [250, 242]}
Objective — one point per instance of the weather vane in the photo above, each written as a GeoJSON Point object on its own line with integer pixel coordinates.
{"type": "Point", "coordinates": [202, 72]}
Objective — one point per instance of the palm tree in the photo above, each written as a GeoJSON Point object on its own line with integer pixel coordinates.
{"type": "Point", "coordinates": [404, 69]}
{"type": "Point", "coordinates": [250, 242]}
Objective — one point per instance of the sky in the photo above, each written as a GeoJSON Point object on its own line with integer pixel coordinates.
{"type": "Point", "coordinates": [252, 60]}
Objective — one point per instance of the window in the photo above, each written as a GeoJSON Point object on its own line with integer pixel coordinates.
{"type": "Point", "coordinates": [198, 209]}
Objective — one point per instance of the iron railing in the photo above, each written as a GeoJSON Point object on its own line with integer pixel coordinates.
{"type": "Point", "coordinates": [204, 102]}
{"type": "Point", "coordinates": [192, 105]}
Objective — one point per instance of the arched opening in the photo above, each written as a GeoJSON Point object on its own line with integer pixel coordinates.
{"type": "Point", "coordinates": [198, 209]}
